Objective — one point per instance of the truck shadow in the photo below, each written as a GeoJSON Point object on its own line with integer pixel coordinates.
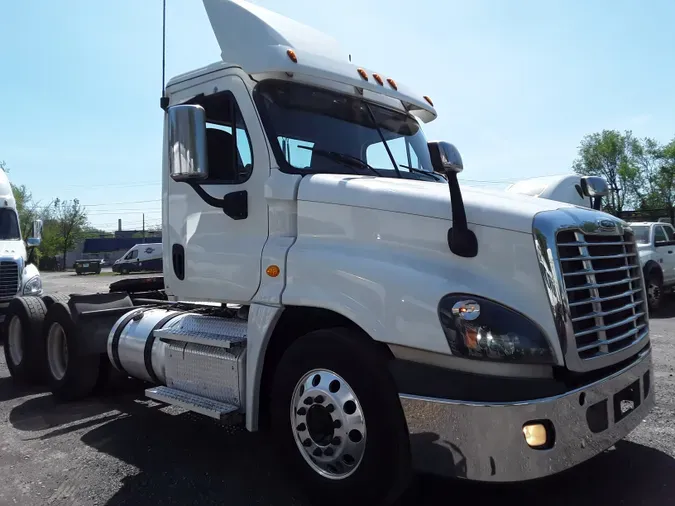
{"type": "Point", "coordinates": [629, 474]}
{"type": "Point", "coordinates": [10, 390]}
{"type": "Point", "coordinates": [45, 412]}
{"type": "Point", "coordinates": [188, 459]}
{"type": "Point", "coordinates": [667, 309]}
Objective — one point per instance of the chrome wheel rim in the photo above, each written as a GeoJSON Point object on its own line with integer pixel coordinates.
{"type": "Point", "coordinates": [328, 424]}
{"type": "Point", "coordinates": [15, 341]}
{"type": "Point", "coordinates": [57, 351]}
{"type": "Point", "coordinates": [654, 293]}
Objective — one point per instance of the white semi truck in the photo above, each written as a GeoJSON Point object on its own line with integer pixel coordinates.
{"type": "Point", "coordinates": [585, 191]}
{"type": "Point", "coordinates": [18, 273]}
{"type": "Point", "coordinates": [370, 315]}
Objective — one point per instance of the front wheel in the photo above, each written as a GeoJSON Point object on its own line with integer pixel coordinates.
{"type": "Point", "coordinates": [338, 420]}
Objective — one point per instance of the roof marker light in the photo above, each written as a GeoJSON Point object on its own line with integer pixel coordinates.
{"type": "Point", "coordinates": [392, 83]}
{"type": "Point", "coordinates": [428, 100]}
{"type": "Point", "coordinates": [291, 54]}
{"type": "Point", "coordinates": [378, 79]}
{"type": "Point", "coordinates": [362, 73]}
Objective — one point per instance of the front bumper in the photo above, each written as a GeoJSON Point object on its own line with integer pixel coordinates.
{"type": "Point", "coordinates": [485, 442]}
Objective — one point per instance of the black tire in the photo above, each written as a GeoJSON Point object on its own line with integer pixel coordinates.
{"type": "Point", "coordinates": [124, 271]}
{"type": "Point", "coordinates": [81, 371]}
{"type": "Point", "coordinates": [384, 472]}
{"type": "Point", "coordinates": [30, 312]}
{"type": "Point", "coordinates": [654, 290]}
{"type": "Point", "coordinates": [55, 297]}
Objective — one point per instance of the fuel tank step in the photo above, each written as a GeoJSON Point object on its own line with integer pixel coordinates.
{"type": "Point", "coordinates": [206, 330]}
{"type": "Point", "coordinates": [191, 402]}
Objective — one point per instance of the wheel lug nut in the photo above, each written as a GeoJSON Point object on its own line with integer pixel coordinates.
{"type": "Point", "coordinates": [302, 411]}
{"type": "Point", "coordinates": [308, 401]}
{"type": "Point", "coordinates": [317, 452]}
{"type": "Point", "coordinates": [319, 399]}
{"type": "Point", "coordinates": [301, 428]}
{"type": "Point", "coordinates": [337, 424]}
{"type": "Point", "coordinates": [330, 408]}
{"type": "Point", "coordinates": [328, 452]}
{"type": "Point", "coordinates": [307, 442]}
{"type": "Point", "coordinates": [336, 441]}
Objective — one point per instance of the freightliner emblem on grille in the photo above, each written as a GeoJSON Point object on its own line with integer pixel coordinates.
{"type": "Point", "coordinates": [606, 224]}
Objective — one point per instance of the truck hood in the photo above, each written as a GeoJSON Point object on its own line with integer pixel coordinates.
{"type": "Point", "coordinates": [12, 249]}
{"type": "Point", "coordinates": [492, 208]}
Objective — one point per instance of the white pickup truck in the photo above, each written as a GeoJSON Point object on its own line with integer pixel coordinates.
{"type": "Point", "coordinates": [374, 317]}
{"type": "Point", "coordinates": [656, 247]}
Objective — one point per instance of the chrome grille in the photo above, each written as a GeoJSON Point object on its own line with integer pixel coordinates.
{"type": "Point", "coordinates": [9, 279]}
{"type": "Point", "coordinates": [603, 284]}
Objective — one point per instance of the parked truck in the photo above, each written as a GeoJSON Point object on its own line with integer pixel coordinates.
{"type": "Point", "coordinates": [374, 318]}
{"type": "Point", "coordinates": [585, 191]}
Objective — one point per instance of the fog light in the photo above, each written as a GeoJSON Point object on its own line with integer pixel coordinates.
{"type": "Point", "coordinates": [535, 434]}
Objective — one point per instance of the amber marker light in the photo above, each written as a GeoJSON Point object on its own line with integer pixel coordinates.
{"type": "Point", "coordinates": [273, 271]}
{"type": "Point", "coordinates": [291, 54]}
{"type": "Point", "coordinates": [392, 83]}
{"type": "Point", "coordinates": [378, 79]}
{"type": "Point", "coordinates": [362, 73]}
{"type": "Point", "coordinates": [535, 434]}
{"type": "Point", "coordinates": [428, 100]}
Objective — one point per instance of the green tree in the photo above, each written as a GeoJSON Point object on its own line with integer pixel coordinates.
{"type": "Point", "coordinates": [665, 179]}
{"type": "Point", "coordinates": [608, 154]}
{"type": "Point", "coordinates": [70, 220]}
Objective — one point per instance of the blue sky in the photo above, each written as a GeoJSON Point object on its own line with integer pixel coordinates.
{"type": "Point", "coordinates": [517, 83]}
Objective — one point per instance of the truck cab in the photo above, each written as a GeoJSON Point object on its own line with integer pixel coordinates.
{"type": "Point", "coordinates": [18, 273]}
{"type": "Point", "coordinates": [372, 315]}
{"type": "Point", "coordinates": [584, 191]}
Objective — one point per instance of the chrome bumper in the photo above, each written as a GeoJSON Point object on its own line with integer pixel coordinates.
{"type": "Point", "coordinates": [485, 442]}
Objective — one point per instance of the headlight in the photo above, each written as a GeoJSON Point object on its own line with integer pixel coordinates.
{"type": "Point", "coordinates": [482, 329]}
{"type": "Point", "coordinates": [33, 286]}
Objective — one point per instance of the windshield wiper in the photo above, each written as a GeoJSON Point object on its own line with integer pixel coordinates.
{"type": "Point", "coordinates": [344, 159]}
{"type": "Point", "coordinates": [433, 175]}
{"type": "Point", "coordinates": [384, 141]}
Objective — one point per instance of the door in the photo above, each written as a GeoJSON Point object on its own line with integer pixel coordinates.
{"type": "Point", "coordinates": [218, 226]}
{"type": "Point", "coordinates": [665, 246]}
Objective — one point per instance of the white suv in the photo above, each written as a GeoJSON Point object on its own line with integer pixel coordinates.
{"type": "Point", "coordinates": [656, 247]}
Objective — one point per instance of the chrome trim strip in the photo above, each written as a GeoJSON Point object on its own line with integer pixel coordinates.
{"type": "Point", "coordinates": [546, 225]}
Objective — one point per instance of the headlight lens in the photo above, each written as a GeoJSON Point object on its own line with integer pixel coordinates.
{"type": "Point", "coordinates": [482, 329]}
{"type": "Point", "coordinates": [33, 286]}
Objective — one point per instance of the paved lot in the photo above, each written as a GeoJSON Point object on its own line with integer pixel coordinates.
{"type": "Point", "coordinates": [121, 449]}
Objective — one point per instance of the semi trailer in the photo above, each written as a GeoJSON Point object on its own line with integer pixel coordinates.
{"type": "Point", "coordinates": [322, 283]}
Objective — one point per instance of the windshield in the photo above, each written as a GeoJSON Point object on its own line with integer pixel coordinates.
{"type": "Point", "coordinates": [319, 131]}
{"type": "Point", "coordinates": [9, 225]}
{"type": "Point", "coordinates": [641, 234]}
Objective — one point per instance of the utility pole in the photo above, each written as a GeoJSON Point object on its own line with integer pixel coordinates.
{"type": "Point", "coordinates": [143, 227]}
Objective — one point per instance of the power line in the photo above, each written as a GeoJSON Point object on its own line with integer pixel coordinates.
{"type": "Point", "coordinates": [121, 203]}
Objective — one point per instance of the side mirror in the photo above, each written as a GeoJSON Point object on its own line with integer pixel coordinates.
{"type": "Point", "coordinates": [594, 186]}
{"type": "Point", "coordinates": [35, 241]}
{"type": "Point", "coordinates": [445, 157]}
{"type": "Point", "coordinates": [187, 142]}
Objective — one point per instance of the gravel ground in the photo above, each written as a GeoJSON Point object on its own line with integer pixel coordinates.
{"type": "Point", "coordinates": [121, 449]}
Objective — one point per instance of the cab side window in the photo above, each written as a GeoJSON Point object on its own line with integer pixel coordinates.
{"type": "Point", "coordinates": [230, 157]}
{"type": "Point", "coordinates": [659, 234]}
{"type": "Point", "coordinates": [670, 233]}
{"type": "Point", "coordinates": [131, 255]}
